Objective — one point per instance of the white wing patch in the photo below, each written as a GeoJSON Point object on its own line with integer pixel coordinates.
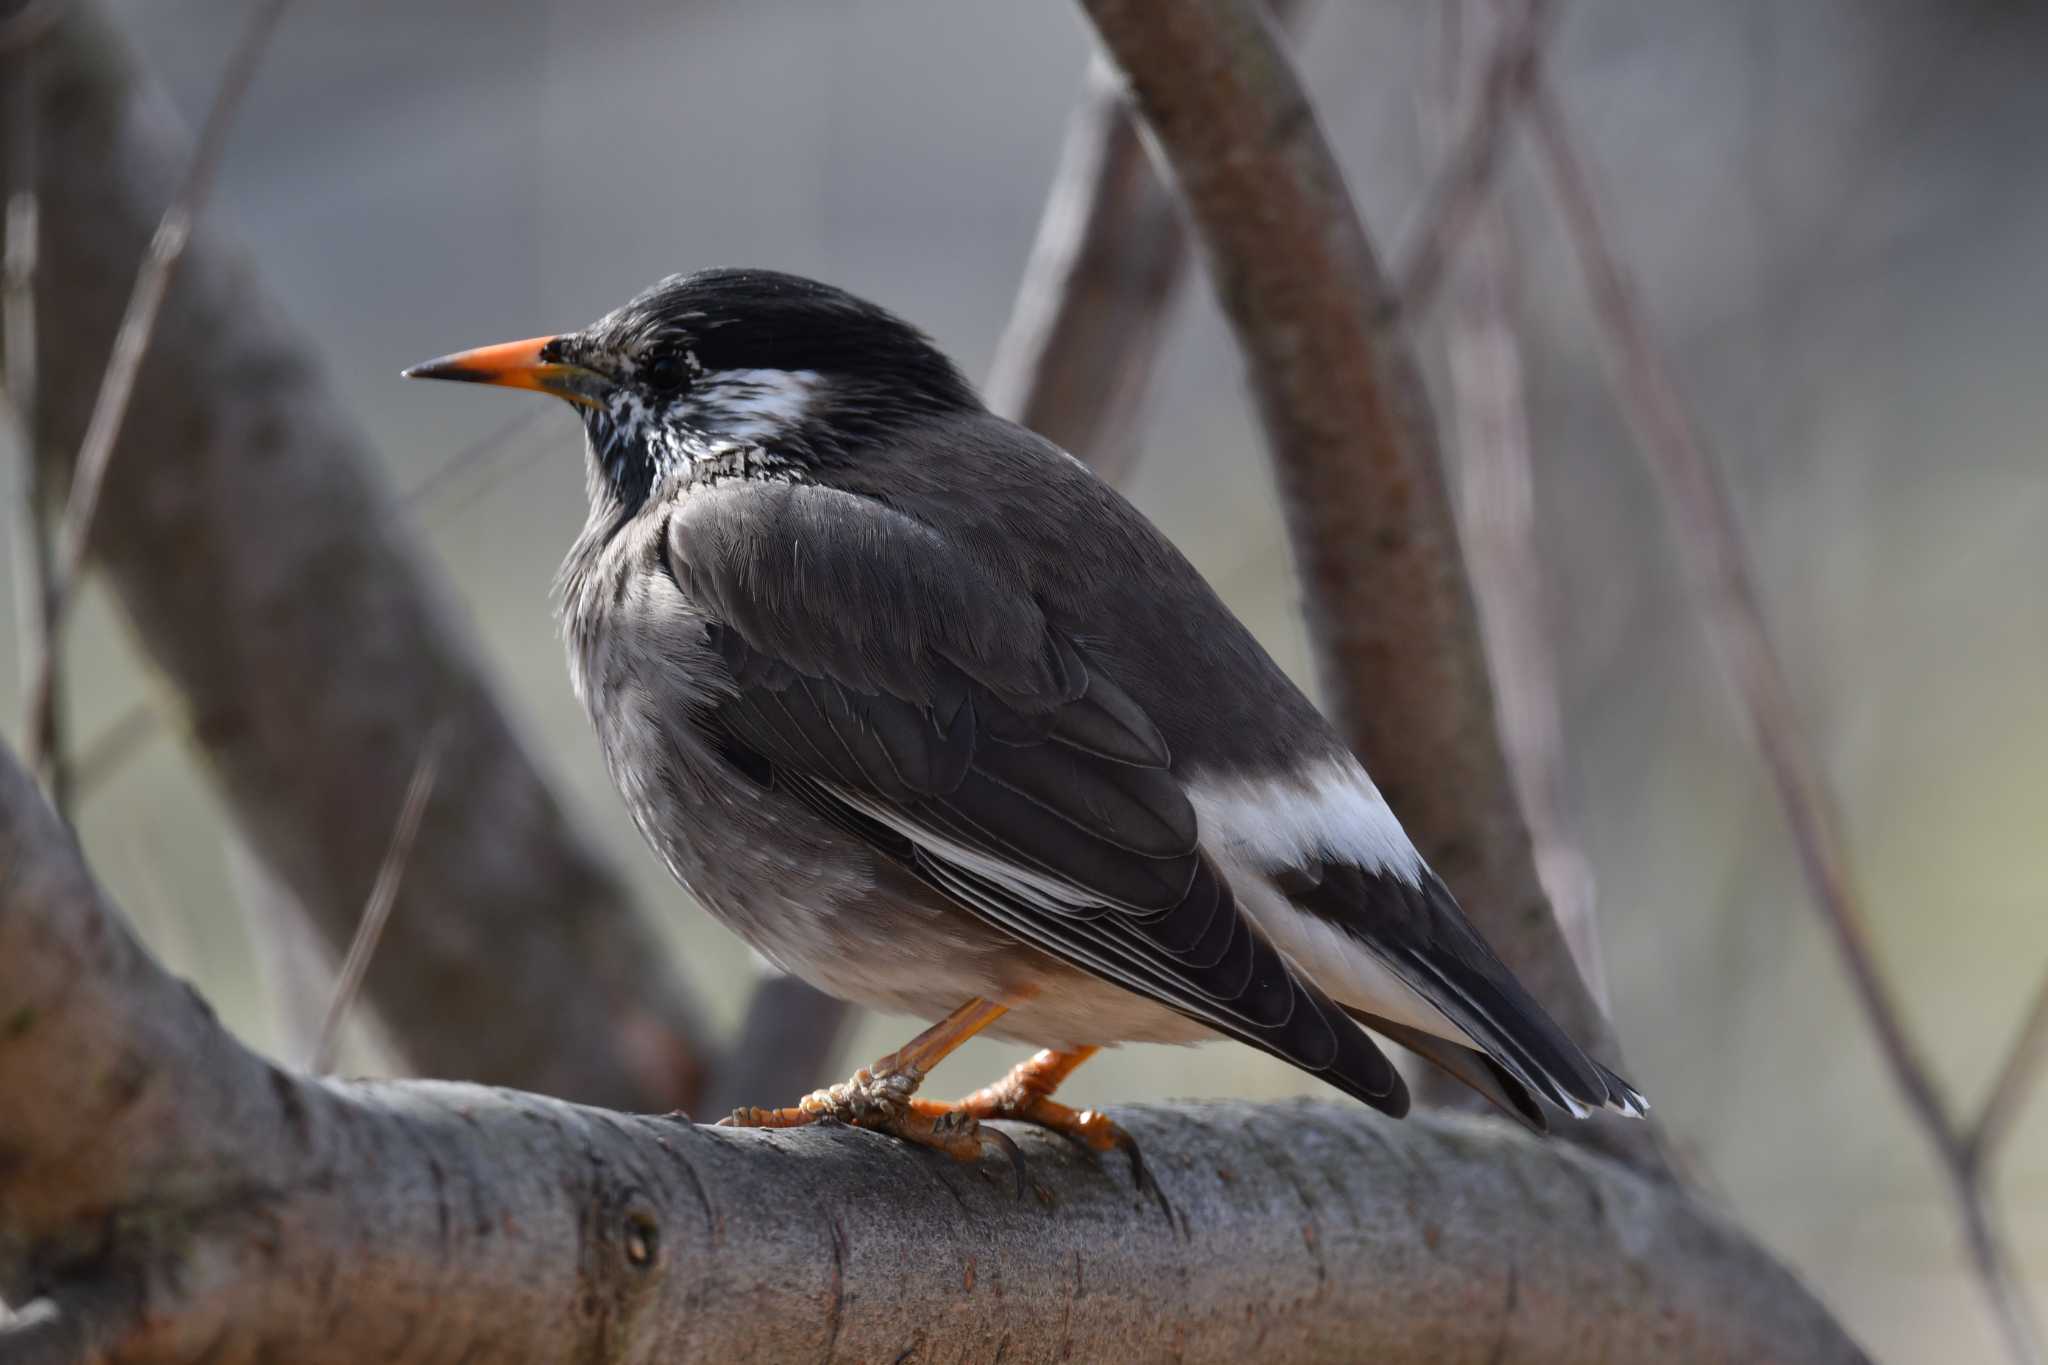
{"type": "Point", "coordinates": [1328, 809]}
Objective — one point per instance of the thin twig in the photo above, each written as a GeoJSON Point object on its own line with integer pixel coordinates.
{"type": "Point", "coordinates": [1710, 547]}
{"type": "Point", "coordinates": [1098, 293]}
{"type": "Point", "coordinates": [44, 724]}
{"type": "Point", "coordinates": [104, 756]}
{"type": "Point", "coordinates": [114, 747]}
{"type": "Point", "coordinates": [480, 453]}
{"type": "Point", "coordinates": [1468, 173]}
{"type": "Point", "coordinates": [2014, 1085]}
{"type": "Point", "coordinates": [1495, 486]}
{"type": "Point", "coordinates": [1105, 269]}
{"type": "Point", "coordinates": [131, 344]}
{"type": "Point", "coordinates": [377, 909]}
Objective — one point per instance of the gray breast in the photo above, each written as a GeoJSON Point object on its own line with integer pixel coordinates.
{"type": "Point", "coordinates": [809, 897]}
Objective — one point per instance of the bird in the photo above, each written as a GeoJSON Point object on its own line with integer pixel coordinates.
{"type": "Point", "coordinates": [939, 722]}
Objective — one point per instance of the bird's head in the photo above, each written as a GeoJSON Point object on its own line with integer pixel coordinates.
{"type": "Point", "coordinates": [731, 373]}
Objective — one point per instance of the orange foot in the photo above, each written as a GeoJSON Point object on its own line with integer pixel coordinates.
{"type": "Point", "coordinates": [881, 1099]}
{"type": "Point", "coordinates": [1025, 1096]}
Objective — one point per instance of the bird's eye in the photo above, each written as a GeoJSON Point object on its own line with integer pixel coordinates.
{"type": "Point", "coordinates": [667, 370]}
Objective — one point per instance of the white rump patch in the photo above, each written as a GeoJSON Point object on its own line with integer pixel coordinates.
{"type": "Point", "coordinates": [1328, 809]}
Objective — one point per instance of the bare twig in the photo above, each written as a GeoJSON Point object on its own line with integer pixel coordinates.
{"type": "Point", "coordinates": [293, 965]}
{"type": "Point", "coordinates": [103, 757]}
{"type": "Point", "coordinates": [131, 343]}
{"type": "Point", "coordinates": [377, 909]}
{"type": "Point", "coordinates": [44, 723]}
{"type": "Point", "coordinates": [1710, 547]}
{"type": "Point", "coordinates": [1467, 177]}
{"type": "Point", "coordinates": [117, 744]}
{"type": "Point", "coordinates": [1098, 291]}
{"type": "Point", "coordinates": [2013, 1086]}
{"type": "Point", "coordinates": [479, 455]}
{"type": "Point", "coordinates": [1496, 504]}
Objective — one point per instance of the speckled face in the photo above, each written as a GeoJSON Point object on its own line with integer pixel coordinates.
{"type": "Point", "coordinates": [745, 374]}
{"type": "Point", "coordinates": [663, 411]}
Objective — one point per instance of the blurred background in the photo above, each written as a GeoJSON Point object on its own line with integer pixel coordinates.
{"type": "Point", "coordinates": [1836, 213]}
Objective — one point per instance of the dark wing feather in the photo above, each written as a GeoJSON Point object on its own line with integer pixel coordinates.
{"type": "Point", "coordinates": [898, 688]}
{"type": "Point", "coordinates": [1417, 930]}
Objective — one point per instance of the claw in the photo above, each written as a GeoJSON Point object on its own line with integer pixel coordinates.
{"type": "Point", "coordinates": [1010, 1149]}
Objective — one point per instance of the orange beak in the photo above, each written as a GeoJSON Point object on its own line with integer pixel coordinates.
{"type": "Point", "coordinates": [517, 365]}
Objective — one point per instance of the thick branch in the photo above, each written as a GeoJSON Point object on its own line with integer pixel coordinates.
{"type": "Point", "coordinates": [259, 559]}
{"type": "Point", "coordinates": [169, 1197]}
{"type": "Point", "coordinates": [1355, 447]}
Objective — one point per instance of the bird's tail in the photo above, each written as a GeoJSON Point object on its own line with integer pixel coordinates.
{"type": "Point", "coordinates": [1458, 973]}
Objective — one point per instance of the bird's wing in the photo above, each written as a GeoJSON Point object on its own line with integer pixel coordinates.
{"type": "Point", "coordinates": [903, 689]}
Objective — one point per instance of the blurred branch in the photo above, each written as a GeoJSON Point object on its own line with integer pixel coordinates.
{"type": "Point", "coordinates": [2014, 1085]}
{"type": "Point", "coordinates": [325, 1221]}
{"type": "Point", "coordinates": [21, 32]}
{"type": "Point", "coordinates": [294, 967]}
{"type": "Point", "coordinates": [1710, 547]}
{"type": "Point", "coordinates": [268, 578]}
{"type": "Point", "coordinates": [117, 744]}
{"type": "Point", "coordinates": [108, 753]}
{"type": "Point", "coordinates": [1355, 451]}
{"type": "Point", "coordinates": [377, 909]}
{"type": "Point", "coordinates": [786, 1043]}
{"type": "Point", "coordinates": [1497, 508]}
{"type": "Point", "coordinates": [1466, 179]}
{"type": "Point", "coordinates": [117, 381]}
{"type": "Point", "coordinates": [1098, 292]}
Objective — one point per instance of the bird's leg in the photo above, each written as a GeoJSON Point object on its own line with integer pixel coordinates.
{"type": "Point", "coordinates": [1026, 1095]}
{"type": "Point", "coordinates": [880, 1096]}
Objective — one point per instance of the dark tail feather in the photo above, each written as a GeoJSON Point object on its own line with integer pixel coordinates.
{"type": "Point", "coordinates": [1475, 1069]}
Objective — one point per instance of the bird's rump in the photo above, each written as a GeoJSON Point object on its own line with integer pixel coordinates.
{"type": "Point", "coordinates": [974, 744]}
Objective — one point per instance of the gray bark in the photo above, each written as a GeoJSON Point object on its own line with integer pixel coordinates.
{"type": "Point", "coordinates": [313, 648]}
{"type": "Point", "coordinates": [171, 1197]}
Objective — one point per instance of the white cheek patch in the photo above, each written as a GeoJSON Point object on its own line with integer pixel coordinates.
{"type": "Point", "coordinates": [740, 406]}
{"type": "Point", "coordinates": [1328, 809]}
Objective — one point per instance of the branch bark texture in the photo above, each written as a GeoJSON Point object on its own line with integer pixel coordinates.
{"type": "Point", "coordinates": [1355, 449]}
{"type": "Point", "coordinates": [170, 1197]}
{"type": "Point", "coordinates": [266, 574]}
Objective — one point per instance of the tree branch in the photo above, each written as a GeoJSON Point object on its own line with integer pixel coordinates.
{"type": "Point", "coordinates": [266, 575]}
{"type": "Point", "coordinates": [21, 33]}
{"type": "Point", "coordinates": [2014, 1084]}
{"type": "Point", "coordinates": [117, 381]}
{"type": "Point", "coordinates": [1711, 551]}
{"type": "Point", "coordinates": [207, 1205]}
{"type": "Point", "coordinates": [1496, 487]}
{"type": "Point", "coordinates": [1466, 179]}
{"type": "Point", "coordinates": [1097, 293]}
{"type": "Point", "coordinates": [1355, 449]}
